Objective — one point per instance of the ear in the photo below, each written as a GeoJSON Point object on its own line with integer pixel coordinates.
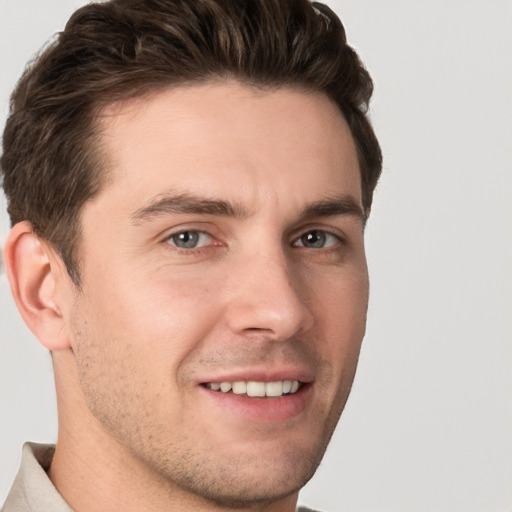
{"type": "Point", "coordinates": [34, 269]}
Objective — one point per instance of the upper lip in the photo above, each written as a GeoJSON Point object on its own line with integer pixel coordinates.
{"type": "Point", "coordinates": [260, 375]}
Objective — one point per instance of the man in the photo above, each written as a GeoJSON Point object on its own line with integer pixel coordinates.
{"type": "Point", "coordinates": [188, 184]}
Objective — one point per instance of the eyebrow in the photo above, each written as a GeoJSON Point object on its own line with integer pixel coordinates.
{"type": "Point", "coordinates": [191, 204]}
{"type": "Point", "coordinates": [334, 206]}
{"type": "Point", "coordinates": [187, 203]}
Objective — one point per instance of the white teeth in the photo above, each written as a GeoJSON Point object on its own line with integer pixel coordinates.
{"type": "Point", "coordinates": [256, 389]}
{"type": "Point", "coordinates": [287, 386]}
{"type": "Point", "coordinates": [239, 388]}
{"type": "Point", "coordinates": [274, 388]}
{"type": "Point", "coordinates": [225, 386]}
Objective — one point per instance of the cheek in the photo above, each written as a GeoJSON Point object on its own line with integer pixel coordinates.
{"type": "Point", "coordinates": [340, 306]}
{"type": "Point", "coordinates": [342, 296]}
{"type": "Point", "coordinates": [155, 320]}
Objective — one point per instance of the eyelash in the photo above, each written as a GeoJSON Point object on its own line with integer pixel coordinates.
{"type": "Point", "coordinates": [191, 251]}
{"type": "Point", "coordinates": [324, 233]}
{"type": "Point", "coordinates": [338, 240]}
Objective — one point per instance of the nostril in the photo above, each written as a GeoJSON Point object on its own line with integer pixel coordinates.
{"type": "Point", "coordinates": [273, 307]}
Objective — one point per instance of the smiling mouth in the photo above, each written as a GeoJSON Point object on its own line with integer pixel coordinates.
{"type": "Point", "coordinates": [256, 389]}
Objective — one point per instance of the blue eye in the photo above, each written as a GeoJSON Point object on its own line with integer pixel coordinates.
{"type": "Point", "coordinates": [317, 239]}
{"type": "Point", "coordinates": [189, 239]}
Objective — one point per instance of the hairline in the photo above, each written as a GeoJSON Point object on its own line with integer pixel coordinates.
{"type": "Point", "coordinates": [102, 164]}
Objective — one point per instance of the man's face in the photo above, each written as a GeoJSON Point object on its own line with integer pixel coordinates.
{"type": "Point", "coordinates": [226, 248]}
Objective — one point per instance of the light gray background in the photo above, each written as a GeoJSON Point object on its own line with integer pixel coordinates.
{"type": "Point", "coordinates": [429, 424]}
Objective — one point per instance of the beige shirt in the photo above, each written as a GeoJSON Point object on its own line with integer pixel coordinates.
{"type": "Point", "coordinates": [33, 491]}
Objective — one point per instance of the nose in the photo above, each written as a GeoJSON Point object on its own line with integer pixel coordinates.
{"type": "Point", "coordinates": [268, 299]}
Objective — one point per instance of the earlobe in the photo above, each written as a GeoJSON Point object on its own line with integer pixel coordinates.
{"type": "Point", "coordinates": [33, 273]}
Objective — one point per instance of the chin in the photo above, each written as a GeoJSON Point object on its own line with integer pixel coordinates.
{"type": "Point", "coordinates": [243, 478]}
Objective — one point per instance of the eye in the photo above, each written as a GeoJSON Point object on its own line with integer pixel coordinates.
{"type": "Point", "coordinates": [189, 239]}
{"type": "Point", "coordinates": [317, 239]}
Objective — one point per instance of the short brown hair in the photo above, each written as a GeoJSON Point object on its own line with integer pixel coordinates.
{"type": "Point", "coordinates": [124, 48]}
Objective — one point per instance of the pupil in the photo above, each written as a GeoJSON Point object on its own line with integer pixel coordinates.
{"type": "Point", "coordinates": [314, 239]}
{"type": "Point", "coordinates": [187, 239]}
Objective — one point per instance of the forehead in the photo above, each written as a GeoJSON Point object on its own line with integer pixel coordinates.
{"type": "Point", "coordinates": [229, 138]}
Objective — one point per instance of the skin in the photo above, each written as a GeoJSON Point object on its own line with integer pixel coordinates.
{"type": "Point", "coordinates": [152, 322]}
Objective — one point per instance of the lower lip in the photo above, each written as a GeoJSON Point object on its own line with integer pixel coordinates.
{"type": "Point", "coordinates": [262, 409]}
